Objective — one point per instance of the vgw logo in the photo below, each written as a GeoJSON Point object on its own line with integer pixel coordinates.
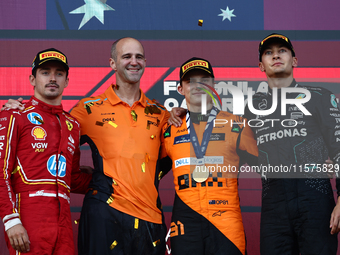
{"type": "Point", "coordinates": [52, 165]}
{"type": "Point", "coordinates": [39, 147]}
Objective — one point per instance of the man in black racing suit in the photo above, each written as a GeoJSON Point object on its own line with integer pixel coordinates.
{"type": "Point", "coordinates": [298, 214]}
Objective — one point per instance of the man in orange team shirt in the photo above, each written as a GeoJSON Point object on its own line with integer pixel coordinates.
{"type": "Point", "coordinates": [122, 213]}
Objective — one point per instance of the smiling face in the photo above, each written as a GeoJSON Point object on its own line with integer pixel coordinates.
{"type": "Point", "coordinates": [192, 86]}
{"type": "Point", "coordinates": [277, 61]}
{"type": "Point", "coordinates": [49, 82]}
{"type": "Point", "coordinates": [130, 62]}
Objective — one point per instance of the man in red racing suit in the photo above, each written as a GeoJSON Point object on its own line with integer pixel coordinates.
{"type": "Point", "coordinates": [39, 161]}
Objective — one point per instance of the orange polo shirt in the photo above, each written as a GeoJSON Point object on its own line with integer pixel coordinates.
{"type": "Point", "coordinates": [128, 141]}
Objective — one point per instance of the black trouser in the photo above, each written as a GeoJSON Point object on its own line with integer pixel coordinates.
{"type": "Point", "coordinates": [295, 217]}
{"type": "Point", "coordinates": [104, 230]}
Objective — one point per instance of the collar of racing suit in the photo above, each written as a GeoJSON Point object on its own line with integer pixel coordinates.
{"type": "Point", "coordinates": [196, 117]}
{"type": "Point", "coordinates": [54, 109]}
{"type": "Point", "coordinates": [293, 84]}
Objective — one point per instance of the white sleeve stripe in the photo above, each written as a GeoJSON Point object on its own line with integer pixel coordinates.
{"type": "Point", "coordinates": [9, 146]}
{"type": "Point", "coordinates": [9, 149]}
{"type": "Point", "coordinates": [12, 223]}
{"type": "Point", "coordinates": [10, 216]}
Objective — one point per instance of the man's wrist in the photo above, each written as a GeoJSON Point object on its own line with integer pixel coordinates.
{"type": "Point", "coordinates": [11, 223]}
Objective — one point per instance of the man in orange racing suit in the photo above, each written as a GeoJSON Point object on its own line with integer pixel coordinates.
{"type": "Point", "coordinates": [39, 161]}
{"type": "Point", "coordinates": [206, 215]}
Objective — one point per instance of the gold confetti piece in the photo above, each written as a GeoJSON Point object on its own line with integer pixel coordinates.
{"type": "Point", "coordinates": [114, 182]}
{"type": "Point", "coordinates": [152, 136]}
{"type": "Point", "coordinates": [95, 192]}
{"type": "Point", "coordinates": [136, 223]}
{"type": "Point", "coordinates": [88, 109]}
{"type": "Point", "coordinates": [99, 123]}
{"type": "Point", "coordinates": [89, 104]}
{"type": "Point", "coordinates": [113, 124]}
{"type": "Point", "coordinates": [147, 110]}
{"type": "Point", "coordinates": [152, 109]}
{"type": "Point", "coordinates": [110, 200]}
{"type": "Point", "coordinates": [114, 244]}
{"type": "Point", "coordinates": [134, 115]}
{"type": "Point", "coordinates": [16, 169]}
{"type": "Point", "coordinates": [143, 167]}
{"type": "Point", "coordinates": [200, 22]}
{"type": "Point", "coordinates": [115, 86]}
{"type": "Point", "coordinates": [155, 243]}
{"type": "Point", "coordinates": [38, 119]}
{"type": "Point", "coordinates": [147, 158]}
{"type": "Point", "coordinates": [160, 175]}
{"type": "Point", "coordinates": [76, 222]}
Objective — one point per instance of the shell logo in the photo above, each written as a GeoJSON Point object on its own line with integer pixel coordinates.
{"type": "Point", "coordinates": [39, 133]}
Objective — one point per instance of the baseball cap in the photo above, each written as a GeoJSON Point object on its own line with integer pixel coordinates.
{"type": "Point", "coordinates": [48, 55]}
{"type": "Point", "coordinates": [271, 38]}
{"type": "Point", "coordinates": [195, 63]}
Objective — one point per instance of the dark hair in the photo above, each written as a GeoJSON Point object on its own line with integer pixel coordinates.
{"type": "Point", "coordinates": [185, 77]}
{"type": "Point", "coordinates": [34, 72]}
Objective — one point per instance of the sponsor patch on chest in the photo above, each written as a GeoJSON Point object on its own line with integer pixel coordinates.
{"type": "Point", "coordinates": [182, 139]}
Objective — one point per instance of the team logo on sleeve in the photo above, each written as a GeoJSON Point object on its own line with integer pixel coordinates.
{"type": "Point", "coordinates": [301, 96]}
{"type": "Point", "coordinates": [69, 125]}
{"type": "Point", "coordinates": [52, 165]}
{"type": "Point", "coordinates": [167, 133]}
{"type": "Point", "coordinates": [38, 133]}
{"type": "Point", "coordinates": [35, 118]}
{"type": "Point", "coordinates": [333, 101]}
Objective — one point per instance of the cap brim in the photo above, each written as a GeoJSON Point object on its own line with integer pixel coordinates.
{"type": "Point", "coordinates": [274, 39]}
{"type": "Point", "coordinates": [53, 59]}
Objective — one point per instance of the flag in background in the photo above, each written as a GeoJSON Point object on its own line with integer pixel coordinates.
{"type": "Point", "coordinates": [157, 15]}
{"type": "Point", "coordinates": [170, 15]}
{"type": "Point", "coordinates": [85, 29]}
